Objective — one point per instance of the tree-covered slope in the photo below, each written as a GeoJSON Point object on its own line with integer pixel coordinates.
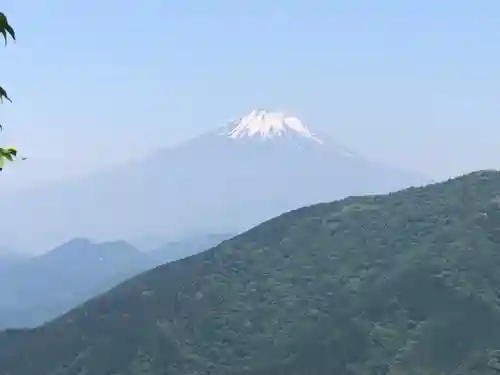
{"type": "Point", "coordinates": [406, 283]}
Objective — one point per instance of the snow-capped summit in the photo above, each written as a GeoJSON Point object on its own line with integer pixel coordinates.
{"type": "Point", "coordinates": [222, 181]}
{"type": "Point", "coordinates": [267, 124]}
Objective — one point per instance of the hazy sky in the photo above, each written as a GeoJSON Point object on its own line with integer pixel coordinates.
{"type": "Point", "coordinates": [416, 83]}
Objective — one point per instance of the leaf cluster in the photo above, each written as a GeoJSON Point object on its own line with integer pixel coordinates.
{"type": "Point", "coordinates": [9, 153]}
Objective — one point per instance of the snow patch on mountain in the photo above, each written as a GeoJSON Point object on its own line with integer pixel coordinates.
{"type": "Point", "coordinates": [267, 124]}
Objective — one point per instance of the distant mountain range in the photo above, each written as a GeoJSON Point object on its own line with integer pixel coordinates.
{"type": "Point", "coordinates": [36, 290]}
{"type": "Point", "coordinates": [223, 181]}
{"type": "Point", "coordinates": [399, 284]}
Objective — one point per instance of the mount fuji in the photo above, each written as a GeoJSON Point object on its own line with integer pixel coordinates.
{"type": "Point", "coordinates": [226, 180]}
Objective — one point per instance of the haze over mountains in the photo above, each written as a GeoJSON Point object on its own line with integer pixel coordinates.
{"type": "Point", "coordinates": [39, 289]}
{"type": "Point", "coordinates": [9, 257]}
{"type": "Point", "coordinates": [399, 284]}
{"type": "Point", "coordinates": [223, 181]}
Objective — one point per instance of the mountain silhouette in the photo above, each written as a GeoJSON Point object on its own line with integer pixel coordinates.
{"type": "Point", "coordinates": [39, 289]}
{"type": "Point", "coordinates": [220, 182]}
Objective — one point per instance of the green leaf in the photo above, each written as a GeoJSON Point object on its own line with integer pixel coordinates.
{"type": "Point", "coordinates": [6, 29]}
{"type": "Point", "coordinates": [11, 150]}
{"type": "Point", "coordinates": [10, 154]}
{"type": "Point", "coordinates": [3, 94]}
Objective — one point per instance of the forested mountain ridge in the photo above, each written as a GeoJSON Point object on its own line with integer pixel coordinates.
{"type": "Point", "coordinates": [405, 283]}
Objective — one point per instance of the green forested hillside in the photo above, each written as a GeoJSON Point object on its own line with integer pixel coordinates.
{"type": "Point", "coordinates": [406, 283]}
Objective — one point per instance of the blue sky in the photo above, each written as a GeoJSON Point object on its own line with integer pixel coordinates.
{"type": "Point", "coordinates": [94, 83]}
